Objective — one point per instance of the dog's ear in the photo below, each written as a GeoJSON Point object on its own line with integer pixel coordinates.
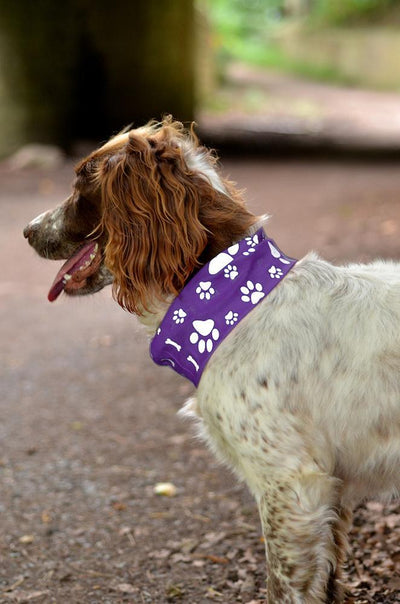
{"type": "Point", "coordinates": [150, 212]}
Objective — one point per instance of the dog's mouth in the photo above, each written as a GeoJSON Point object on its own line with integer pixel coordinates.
{"type": "Point", "coordinates": [75, 272]}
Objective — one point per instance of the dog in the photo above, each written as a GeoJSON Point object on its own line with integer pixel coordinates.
{"type": "Point", "coordinates": [302, 397]}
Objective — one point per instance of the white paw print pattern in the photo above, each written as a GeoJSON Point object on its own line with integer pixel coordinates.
{"type": "Point", "coordinates": [205, 290]}
{"type": "Point", "coordinates": [231, 272]}
{"type": "Point", "coordinates": [209, 333]}
{"type": "Point", "coordinates": [179, 316]}
{"type": "Point", "coordinates": [252, 292]}
{"type": "Point", "coordinates": [252, 242]}
{"type": "Point", "coordinates": [276, 254]}
{"type": "Point", "coordinates": [275, 272]}
{"type": "Point", "coordinates": [231, 317]}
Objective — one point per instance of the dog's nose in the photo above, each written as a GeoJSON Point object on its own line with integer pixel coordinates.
{"type": "Point", "coordinates": [33, 226]}
{"type": "Point", "coordinates": [30, 229]}
{"type": "Point", "coordinates": [27, 231]}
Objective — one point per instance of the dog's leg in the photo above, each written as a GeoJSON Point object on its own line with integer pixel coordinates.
{"type": "Point", "coordinates": [304, 538]}
{"type": "Point", "coordinates": [340, 529]}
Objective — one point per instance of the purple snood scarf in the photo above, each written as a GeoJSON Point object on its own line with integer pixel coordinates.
{"type": "Point", "coordinates": [213, 302]}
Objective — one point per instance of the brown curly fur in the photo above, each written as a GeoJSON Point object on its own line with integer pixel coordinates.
{"type": "Point", "coordinates": [162, 220]}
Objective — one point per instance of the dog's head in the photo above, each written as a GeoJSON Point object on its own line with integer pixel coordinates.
{"type": "Point", "coordinates": [148, 208]}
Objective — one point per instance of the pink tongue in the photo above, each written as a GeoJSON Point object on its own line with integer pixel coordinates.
{"type": "Point", "coordinates": [71, 266]}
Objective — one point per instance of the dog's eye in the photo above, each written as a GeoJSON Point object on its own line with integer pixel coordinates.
{"type": "Point", "coordinates": [79, 203]}
{"type": "Point", "coordinates": [85, 189]}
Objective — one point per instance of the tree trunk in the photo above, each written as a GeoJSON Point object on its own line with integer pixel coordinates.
{"type": "Point", "coordinates": [79, 69]}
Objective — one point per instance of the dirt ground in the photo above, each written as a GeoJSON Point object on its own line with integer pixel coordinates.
{"type": "Point", "coordinates": [89, 427]}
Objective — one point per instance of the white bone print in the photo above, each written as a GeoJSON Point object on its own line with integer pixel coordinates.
{"type": "Point", "coordinates": [191, 360]}
{"type": "Point", "coordinates": [174, 344]}
{"type": "Point", "coordinates": [170, 361]}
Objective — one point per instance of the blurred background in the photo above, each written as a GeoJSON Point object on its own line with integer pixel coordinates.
{"type": "Point", "coordinates": [279, 70]}
{"type": "Point", "coordinates": [301, 99]}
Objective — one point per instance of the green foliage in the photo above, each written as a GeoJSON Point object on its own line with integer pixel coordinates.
{"type": "Point", "coordinates": [243, 28]}
{"type": "Point", "coordinates": [350, 12]}
{"type": "Point", "coordinates": [244, 17]}
{"type": "Point", "coordinates": [244, 31]}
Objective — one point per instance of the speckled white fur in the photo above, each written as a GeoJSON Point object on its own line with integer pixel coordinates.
{"type": "Point", "coordinates": [302, 400]}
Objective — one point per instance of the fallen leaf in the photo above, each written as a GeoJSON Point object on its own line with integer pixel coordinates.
{"type": "Point", "coordinates": [17, 583]}
{"type": "Point", "coordinates": [188, 545]}
{"type": "Point", "coordinates": [198, 563]}
{"type": "Point", "coordinates": [174, 592]}
{"type": "Point", "coordinates": [178, 557]}
{"type": "Point", "coordinates": [77, 425]}
{"type": "Point", "coordinates": [158, 515]}
{"type": "Point", "coordinates": [394, 583]}
{"type": "Point", "coordinates": [213, 593]}
{"type": "Point", "coordinates": [217, 559]}
{"type": "Point", "coordinates": [126, 588]}
{"type": "Point", "coordinates": [26, 539]}
{"type": "Point", "coordinates": [46, 518]}
{"type": "Point", "coordinates": [213, 539]}
{"type": "Point", "coordinates": [119, 506]}
{"type": "Point", "coordinates": [25, 596]}
{"type": "Point", "coordinates": [165, 488]}
{"type": "Point", "coordinates": [160, 554]}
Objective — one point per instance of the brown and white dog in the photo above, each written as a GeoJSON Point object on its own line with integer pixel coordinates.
{"type": "Point", "coordinates": [302, 399]}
